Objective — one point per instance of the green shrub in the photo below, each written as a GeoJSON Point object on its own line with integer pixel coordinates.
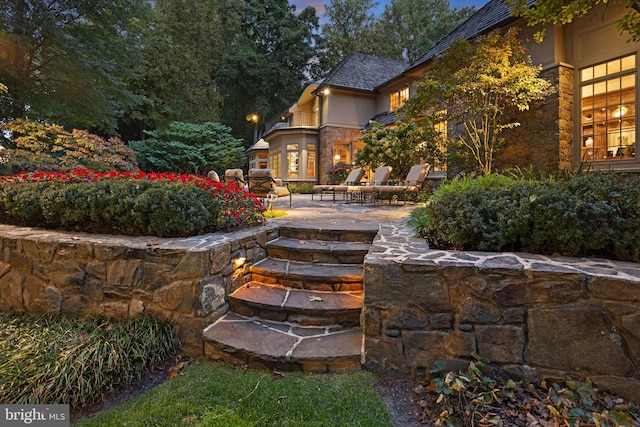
{"type": "Point", "coordinates": [301, 188]}
{"type": "Point", "coordinates": [33, 146]}
{"type": "Point", "coordinates": [163, 205]}
{"type": "Point", "coordinates": [588, 214]}
{"type": "Point", "coordinates": [54, 359]}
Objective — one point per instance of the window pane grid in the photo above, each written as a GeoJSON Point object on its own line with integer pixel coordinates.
{"type": "Point", "coordinates": [608, 110]}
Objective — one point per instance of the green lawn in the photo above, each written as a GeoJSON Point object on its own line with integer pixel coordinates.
{"type": "Point", "coordinates": [208, 394]}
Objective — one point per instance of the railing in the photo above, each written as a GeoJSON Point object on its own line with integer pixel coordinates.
{"type": "Point", "coordinates": [303, 120]}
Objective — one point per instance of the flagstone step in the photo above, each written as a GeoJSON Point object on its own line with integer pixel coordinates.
{"type": "Point", "coordinates": [310, 276]}
{"type": "Point", "coordinates": [348, 232]}
{"type": "Point", "coordinates": [318, 251]}
{"type": "Point", "coordinates": [267, 344]}
{"type": "Point", "coordinates": [301, 306]}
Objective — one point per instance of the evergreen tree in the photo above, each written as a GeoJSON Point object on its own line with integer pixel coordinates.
{"type": "Point", "coordinates": [189, 148]}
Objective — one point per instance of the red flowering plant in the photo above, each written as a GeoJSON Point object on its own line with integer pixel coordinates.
{"type": "Point", "coordinates": [162, 204]}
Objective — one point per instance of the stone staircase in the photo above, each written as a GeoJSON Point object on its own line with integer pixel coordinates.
{"type": "Point", "coordinates": [301, 310]}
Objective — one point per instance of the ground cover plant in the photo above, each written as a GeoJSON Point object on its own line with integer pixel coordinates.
{"type": "Point", "coordinates": [208, 394]}
{"type": "Point", "coordinates": [130, 203]}
{"type": "Point", "coordinates": [589, 214]}
{"type": "Point", "coordinates": [55, 359]}
{"type": "Point", "coordinates": [471, 398]}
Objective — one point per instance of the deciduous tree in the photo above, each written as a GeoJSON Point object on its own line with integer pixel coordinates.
{"type": "Point", "coordinates": [475, 86]}
{"type": "Point", "coordinates": [267, 62]}
{"type": "Point", "coordinates": [70, 61]}
{"type": "Point", "coordinates": [407, 29]}
{"type": "Point", "coordinates": [350, 28]}
{"type": "Point", "coordinates": [402, 146]}
{"type": "Point", "coordinates": [566, 11]}
{"type": "Point", "coordinates": [185, 45]}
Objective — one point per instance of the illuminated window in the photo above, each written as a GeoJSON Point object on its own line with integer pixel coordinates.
{"type": "Point", "coordinates": [440, 164]}
{"type": "Point", "coordinates": [293, 157]}
{"type": "Point", "coordinates": [275, 161]}
{"type": "Point", "coordinates": [398, 98]}
{"type": "Point", "coordinates": [311, 160]}
{"type": "Point", "coordinates": [608, 110]}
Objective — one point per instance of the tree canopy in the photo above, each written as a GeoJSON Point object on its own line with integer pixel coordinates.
{"type": "Point", "coordinates": [70, 61]}
{"type": "Point", "coordinates": [350, 28]}
{"type": "Point", "coordinates": [185, 42]}
{"type": "Point", "coordinates": [406, 30]}
{"type": "Point", "coordinates": [267, 62]}
{"type": "Point", "coordinates": [409, 28]}
{"type": "Point", "coordinates": [566, 11]}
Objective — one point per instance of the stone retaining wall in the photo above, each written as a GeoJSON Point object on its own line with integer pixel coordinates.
{"type": "Point", "coordinates": [184, 280]}
{"type": "Point", "coordinates": [535, 316]}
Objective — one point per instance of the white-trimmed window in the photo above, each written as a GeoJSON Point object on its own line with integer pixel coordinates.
{"type": "Point", "coordinates": [441, 165]}
{"type": "Point", "coordinates": [608, 110]}
{"type": "Point", "coordinates": [275, 160]}
{"type": "Point", "coordinates": [293, 160]}
{"type": "Point", "coordinates": [311, 160]}
{"type": "Point", "coordinates": [398, 98]}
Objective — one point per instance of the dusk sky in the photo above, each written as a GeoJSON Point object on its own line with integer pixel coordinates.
{"type": "Point", "coordinates": [319, 4]}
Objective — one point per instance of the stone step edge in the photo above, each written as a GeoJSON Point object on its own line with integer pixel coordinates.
{"type": "Point", "coordinates": [234, 342]}
{"type": "Point", "coordinates": [346, 233]}
{"type": "Point", "coordinates": [293, 299]}
{"type": "Point", "coordinates": [313, 271]}
{"type": "Point", "coordinates": [329, 246]}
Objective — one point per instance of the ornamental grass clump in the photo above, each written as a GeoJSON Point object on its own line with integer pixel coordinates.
{"type": "Point", "coordinates": [53, 359]}
{"type": "Point", "coordinates": [130, 203]}
{"type": "Point", "coordinates": [590, 214]}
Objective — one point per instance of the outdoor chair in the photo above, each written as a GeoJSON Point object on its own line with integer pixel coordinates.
{"type": "Point", "coordinates": [235, 175]}
{"type": "Point", "coordinates": [362, 192]}
{"type": "Point", "coordinates": [412, 184]}
{"type": "Point", "coordinates": [353, 179]}
{"type": "Point", "coordinates": [213, 176]}
{"type": "Point", "coordinates": [263, 185]}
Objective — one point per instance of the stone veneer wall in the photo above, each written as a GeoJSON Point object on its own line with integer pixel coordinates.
{"type": "Point", "coordinates": [544, 138]}
{"type": "Point", "coordinates": [328, 136]}
{"type": "Point", "coordinates": [531, 315]}
{"type": "Point", "coordinates": [183, 280]}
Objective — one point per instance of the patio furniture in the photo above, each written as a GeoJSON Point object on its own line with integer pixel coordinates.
{"type": "Point", "coordinates": [235, 175]}
{"type": "Point", "coordinates": [412, 184]}
{"type": "Point", "coordinates": [213, 176]}
{"type": "Point", "coordinates": [361, 192]}
{"type": "Point", "coordinates": [353, 179]}
{"type": "Point", "coordinates": [263, 185]}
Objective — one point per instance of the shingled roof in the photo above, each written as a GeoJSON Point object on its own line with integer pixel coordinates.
{"type": "Point", "coordinates": [363, 72]}
{"type": "Point", "coordinates": [492, 15]}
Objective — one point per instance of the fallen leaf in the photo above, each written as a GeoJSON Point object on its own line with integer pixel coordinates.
{"type": "Point", "coordinates": [315, 298]}
{"type": "Point", "coordinates": [153, 243]}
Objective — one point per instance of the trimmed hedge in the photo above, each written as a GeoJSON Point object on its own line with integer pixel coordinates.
{"type": "Point", "coordinates": [163, 205]}
{"type": "Point", "coordinates": [591, 214]}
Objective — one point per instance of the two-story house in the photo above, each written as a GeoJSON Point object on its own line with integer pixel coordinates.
{"type": "Point", "coordinates": [591, 118]}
